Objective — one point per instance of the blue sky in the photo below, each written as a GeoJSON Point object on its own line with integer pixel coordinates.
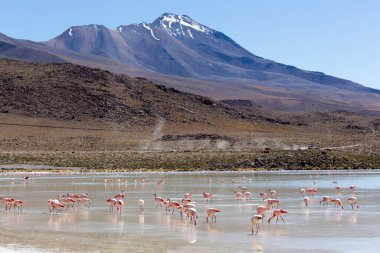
{"type": "Point", "coordinates": [338, 37]}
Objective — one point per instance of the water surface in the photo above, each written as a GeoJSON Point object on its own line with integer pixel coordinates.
{"type": "Point", "coordinates": [96, 229]}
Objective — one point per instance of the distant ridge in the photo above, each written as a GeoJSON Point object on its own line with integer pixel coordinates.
{"type": "Point", "coordinates": [177, 51]}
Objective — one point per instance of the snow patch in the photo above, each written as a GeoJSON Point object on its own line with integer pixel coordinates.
{"type": "Point", "coordinates": [71, 32]}
{"type": "Point", "coordinates": [168, 21]}
{"type": "Point", "coordinates": [151, 31]}
{"type": "Point", "coordinates": [120, 28]}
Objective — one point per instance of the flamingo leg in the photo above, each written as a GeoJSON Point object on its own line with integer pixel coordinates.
{"type": "Point", "coordinates": [282, 219]}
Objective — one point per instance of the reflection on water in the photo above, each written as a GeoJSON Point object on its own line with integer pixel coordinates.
{"type": "Point", "coordinates": [156, 230]}
{"type": "Point", "coordinates": [353, 218]}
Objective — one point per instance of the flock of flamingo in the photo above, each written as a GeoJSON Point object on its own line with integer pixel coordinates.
{"type": "Point", "coordinates": [187, 206]}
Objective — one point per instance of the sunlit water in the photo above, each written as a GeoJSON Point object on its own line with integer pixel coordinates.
{"type": "Point", "coordinates": [96, 229]}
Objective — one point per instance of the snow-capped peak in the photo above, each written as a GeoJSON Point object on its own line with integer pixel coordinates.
{"type": "Point", "coordinates": [180, 25]}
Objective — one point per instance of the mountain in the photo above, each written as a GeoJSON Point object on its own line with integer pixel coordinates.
{"type": "Point", "coordinates": [179, 52]}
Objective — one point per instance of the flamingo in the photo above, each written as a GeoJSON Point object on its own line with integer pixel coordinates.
{"type": "Point", "coordinates": [338, 188]}
{"type": "Point", "coordinates": [238, 195]}
{"type": "Point", "coordinates": [55, 204]}
{"type": "Point", "coordinates": [207, 196]}
{"type": "Point", "coordinates": [273, 203]}
{"type": "Point", "coordinates": [119, 205]}
{"type": "Point", "coordinates": [256, 220]}
{"type": "Point", "coordinates": [325, 200]}
{"type": "Point", "coordinates": [278, 213]}
{"type": "Point", "coordinates": [273, 193]}
{"type": "Point", "coordinates": [306, 201]}
{"type": "Point", "coordinates": [120, 195]}
{"type": "Point", "coordinates": [243, 188]}
{"type": "Point", "coordinates": [263, 195]}
{"type": "Point", "coordinates": [211, 213]}
{"type": "Point", "coordinates": [19, 204]}
{"type": "Point", "coordinates": [8, 202]}
{"type": "Point", "coordinates": [192, 214]}
{"type": "Point", "coordinates": [111, 202]}
{"type": "Point", "coordinates": [311, 191]}
{"type": "Point", "coordinates": [160, 181]}
{"type": "Point", "coordinates": [173, 205]}
{"type": "Point", "coordinates": [158, 200]}
{"type": "Point", "coordinates": [141, 204]}
{"type": "Point", "coordinates": [182, 210]}
{"type": "Point", "coordinates": [85, 201]}
{"type": "Point", "coordinates": [302, 192]}
{"type": "Point", "coordinates": [353, 201]}
{"type": "Point", "coordinates": [187, 196]}
{"type": "Point", "coordinates": [337, 203]}
{"type": "Point", "coordinates": [187, 201]}
{"type": "Point", "coordinates": [190, 205]}
{"type": "Point", "coordinates": [261, 210]}
{"type": "Point", "coordinates": [248, 195]}
{"type": "Point", "coordinates": [69, 202]}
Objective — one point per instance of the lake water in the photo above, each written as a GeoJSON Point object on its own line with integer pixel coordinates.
{"type": "Point", "coordinates": [96, 229]}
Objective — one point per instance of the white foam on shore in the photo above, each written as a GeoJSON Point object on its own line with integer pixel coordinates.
{"type": "Point", "coordinates": [11, 248]}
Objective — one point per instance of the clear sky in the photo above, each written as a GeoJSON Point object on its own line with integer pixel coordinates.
{"type": "Point", "coordinates": [337, 37]}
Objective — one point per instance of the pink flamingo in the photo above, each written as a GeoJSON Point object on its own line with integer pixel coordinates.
{"type": "Point", "coordinates": [248, 195]}
{"type": "Point", "coordinates": [354, 202]}
{"type": "Point", "coordinates": [263, 195]}
{"type": "Point", "coordinates": [273, 203]}
{"type": "Point", "coordinates": [192, 214]}
{"type": "Point", "coordinates": [8, 202]}
{"type": "Point", "coordinates": [55, 204]}
{"type": "Point", "coordinates": [338, 188]}
{"type": "Point", "coordinates": [119, 205]}
{"type": "Point", "coordinates": [211, 213]}
{"type": "Point", "coordinates": [306, 201]}
{"type": "Point", "coordinates": [173, 205]}
{"type": "Point", "coordinates": [182, 210]}
{"type": "Point", "coordinates": [69, 202]}
{"type": "Point", "coordinates": [311, 191]}
{"type": "Point", "coordinates": [337, 203]}
{"type": "Point", "coordinates": [278, 213]}
{"type": "Point", "coordinates": [325, 200]}
{"type": "Point", "coordinates": [141, 204]}
{"type": "Point", "coordinates": [261, 210]}
{"type": "Point", "coordinates": [302, 192]}
{"type": "Point", "coordinates": [190, 205]}
{"type": "Point", "coordinates": [19, 204]}
{"type": "Point", "coordinates": [238, 195]}
{"type": "Point", "coordinates": [158, 200]}
{"type": "Point", "coordinates": [256, 220]}
{"type": "Point", "coordinates": [85, 202]}
{"type": "Point", "coordinates": [111, 202]}
{"type": "Point", "coordinates": [207, 196]}
{"type": "Point", "coordinates": [120, 195]}
{"type": "Point", "coordinates": [273, 193]}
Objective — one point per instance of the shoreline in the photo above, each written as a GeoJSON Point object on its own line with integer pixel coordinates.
{"type": "Point", "coordinates": [17, 169]}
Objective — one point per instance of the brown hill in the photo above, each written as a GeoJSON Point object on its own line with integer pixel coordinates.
{"type": "Point", "coordinates": [73, 92]}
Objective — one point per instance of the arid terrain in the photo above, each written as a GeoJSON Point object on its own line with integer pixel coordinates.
{"type": "Point", "coordinates": [72, 116]}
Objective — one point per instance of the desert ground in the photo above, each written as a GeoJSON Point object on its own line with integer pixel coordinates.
{"type": "Point", "coordinates": [102, 146]}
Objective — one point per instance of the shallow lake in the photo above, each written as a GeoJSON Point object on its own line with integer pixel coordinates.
{"type": "Point", "coordinates": [96, 229]}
